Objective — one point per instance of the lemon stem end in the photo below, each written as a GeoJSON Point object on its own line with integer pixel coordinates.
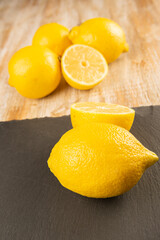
{"type": "Point", "coordinates": [126, 47]}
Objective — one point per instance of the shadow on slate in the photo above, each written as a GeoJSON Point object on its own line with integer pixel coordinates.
{"type": "Point", "coordinates": [34, 206]}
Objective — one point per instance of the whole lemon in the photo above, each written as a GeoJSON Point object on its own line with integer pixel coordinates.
{"type": "Point", "coordinates": [54, 36]}
{"type": "Point", "coordinates": [103, 34]}
{"type": "Point", "coordinates": [99, 160]}
{"type": "Point", "coordinates": [34, 71]}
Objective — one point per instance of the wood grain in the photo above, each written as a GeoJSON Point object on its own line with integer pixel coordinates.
{"type": "Point", "coordinates": [133, 80]}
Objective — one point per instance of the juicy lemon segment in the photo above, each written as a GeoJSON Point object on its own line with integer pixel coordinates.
{"type": "Point", "coordinates": [83, 67]}
{"type": "Point", "coordinates": [85, 112]}
{"type": "Point", "coordinates": [99, 160]}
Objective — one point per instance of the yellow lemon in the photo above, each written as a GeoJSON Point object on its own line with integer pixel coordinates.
{"type": "Point", "coordinates": [54, 36]}
{"type": "Point", "coordinates": [86, 112]}
{"type": "Point", "coordinates": [34, 71]}
{"type": "Point", "coordinates": [103, 34]}
{"type": "Point", "coordinates": [83, 67]}
{"type": "Point", "coordinates": [99, 160]}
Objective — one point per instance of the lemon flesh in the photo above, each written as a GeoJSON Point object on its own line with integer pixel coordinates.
{"type": "Point", "coordinates": [54, 36]}
{"type": "Point", "coordinates": [86, 112]}
{"type": "Point", "coordinates": [103, 34]}
{"type": "Point", "coordinates": [83, 67]}
{"type": "Point", "coordinates": [34, 71]}
{"type": "Point", "coordinates": [99, 160]}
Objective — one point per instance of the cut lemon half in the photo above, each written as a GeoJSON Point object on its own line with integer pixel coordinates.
{"type": "Point", "coordinates": [83, 67]}
{"type": "Point", "coordinates": [85, 112]}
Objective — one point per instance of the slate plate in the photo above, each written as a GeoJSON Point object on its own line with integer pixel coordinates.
{"type": "Point", "coordinates": [34, 206]}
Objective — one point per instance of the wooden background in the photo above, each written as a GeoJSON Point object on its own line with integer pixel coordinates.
{"type": "Point", "coordinates": [133, 80]}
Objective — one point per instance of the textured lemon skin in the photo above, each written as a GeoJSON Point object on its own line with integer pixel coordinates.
{"type": "Point", "coordinates": [99, 160]}
{"type": "Point", "coordinates": [103, 34]}
{"type": "Point", "coordinates": [34, 71]}
{"type": "Point", "coordinates": [75, 84]}
{"type": "Point", "coordinates": [54, 36]}
{"type": "Point", "coordinates": [124, 120]}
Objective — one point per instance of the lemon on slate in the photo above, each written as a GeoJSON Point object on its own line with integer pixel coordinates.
{"type": "Point", "coordinates": [103, 34]}
{"type": "Point", "coordinates": [99, 160]}
{"type": "Point", "coordinates": [85, 112]}
{"type": "Point", "coordinates": [83, 67]}
{"type": "Point", "coordinates": [34, 71]}
{"type": "Point", "coordinates": [54, 36]}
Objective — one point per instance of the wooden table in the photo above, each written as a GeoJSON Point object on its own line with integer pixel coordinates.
{"type": "Point", "coordinates": [133, 80]}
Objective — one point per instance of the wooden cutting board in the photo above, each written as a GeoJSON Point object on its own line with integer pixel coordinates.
{"type": "Point", "coordinates": [132, 80]}
{"type": "Point", "coordinates": [34, 206]}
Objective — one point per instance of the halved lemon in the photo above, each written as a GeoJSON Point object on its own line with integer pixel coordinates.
{"type": "Point", "coordinates": [85, 112]}
{"type": "Point", "coordinates": [83, 67]}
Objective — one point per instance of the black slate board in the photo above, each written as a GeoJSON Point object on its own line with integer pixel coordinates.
{"type": "Point", "coordinates": [34, 206]}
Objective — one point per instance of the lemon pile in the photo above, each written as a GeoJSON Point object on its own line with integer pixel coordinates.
{"type": "Point", "coordinates": [99, 157]}
{"type": "Point", "coordinates": [85, 51]}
